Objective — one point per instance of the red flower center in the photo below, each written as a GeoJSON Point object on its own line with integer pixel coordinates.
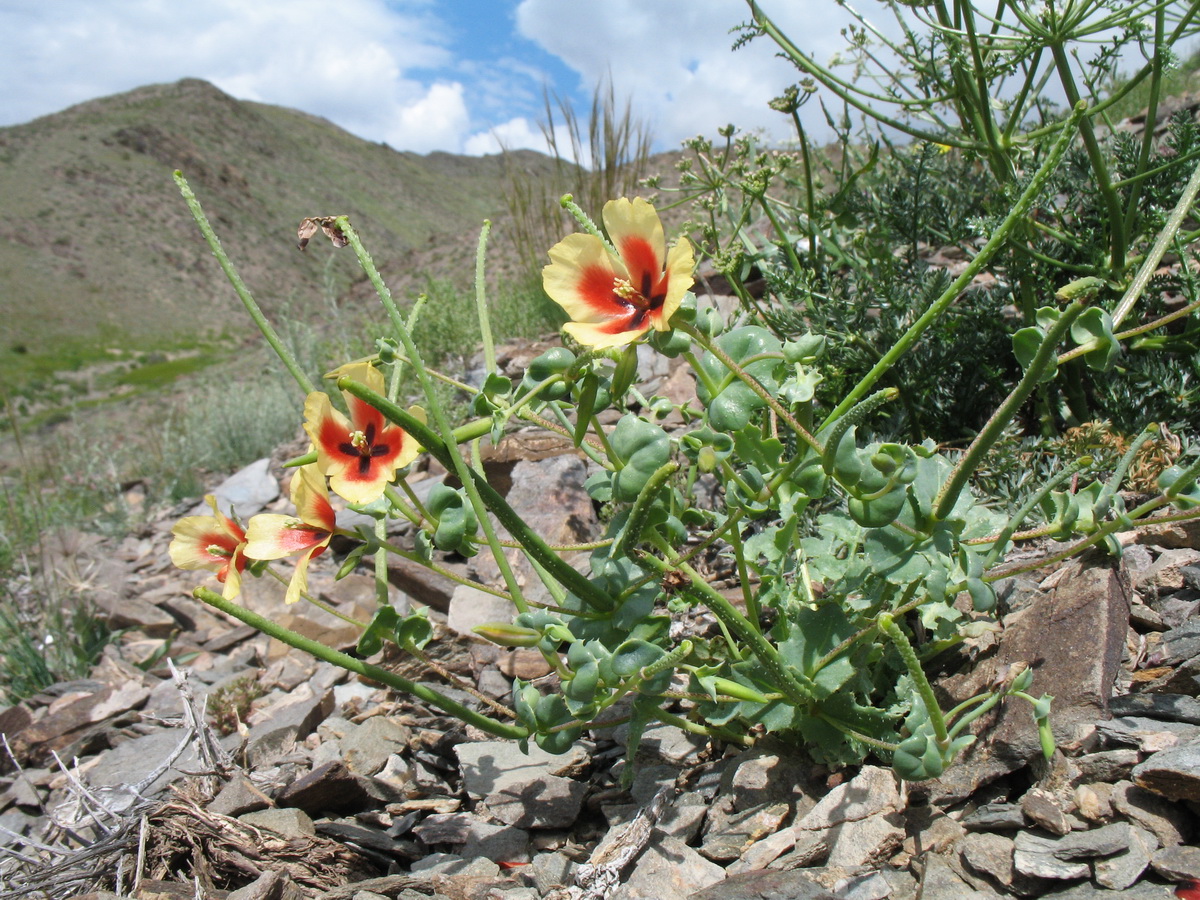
{"type": "Point", "coordinates": [362, 444]}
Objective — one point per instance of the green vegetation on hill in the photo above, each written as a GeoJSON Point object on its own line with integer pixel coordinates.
{"type": "Point", "coordinates": [97, 250]}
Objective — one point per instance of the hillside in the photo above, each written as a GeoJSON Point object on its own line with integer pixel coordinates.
{"type": "Point", "coordinates": [97, 247]}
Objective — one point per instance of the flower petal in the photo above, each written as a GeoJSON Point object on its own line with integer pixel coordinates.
{"type": "Point", "coordinates": [311, 499]}
{"type": "Point", "coordinates": [232, 574]}
{"type": "Point", "coordinates": [272, 536]}
{"type": "Point", "coordinates": [361, 412]}
{"type": "Point", "coordinates": [299, 581]}
{"type": "Point", "coordinates": [327, 427]}
{"type": "Point", "coordinates": [205, 542]}
{"type": "Point", "coordinates": [580, 279]}
{"type": "Point", "coordinates": [637, 232]}
{"type": "Point", "coordinates": [599, 337]}
{"type": "Point", "coordinates": [681, 263]}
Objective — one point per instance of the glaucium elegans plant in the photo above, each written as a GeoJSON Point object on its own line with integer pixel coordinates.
{"type": "Point", "coordinates": [844, 547]}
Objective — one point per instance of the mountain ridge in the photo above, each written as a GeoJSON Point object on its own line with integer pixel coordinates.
{"type": "Point", "coordinates": [97, 246]}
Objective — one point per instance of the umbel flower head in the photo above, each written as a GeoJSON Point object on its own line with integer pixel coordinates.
{"type": "Point", "coordinates": [615, 300]}
{"type": "Point", "coordinates": [359, 455]}
{"type": "Point", "coordinates": [272, 536]}
{"type": "Point", "coordinates": [216, 543]}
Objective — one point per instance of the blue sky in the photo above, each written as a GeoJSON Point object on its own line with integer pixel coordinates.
{"type": "Point", "coordinates": [421, 75]}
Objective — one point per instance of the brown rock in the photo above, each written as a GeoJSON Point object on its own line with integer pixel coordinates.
{"type": "Point", "coordinates": [1073, 637]}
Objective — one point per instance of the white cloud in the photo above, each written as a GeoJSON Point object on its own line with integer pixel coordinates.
{"type": "Point", "coordinates": [674, 60]}
{"type": "Point", "coordinates": [436, 121]}
{"type": "Point", "coordinates": [348, 61]}
{"type": "Point", "coordinates": [522, 134]}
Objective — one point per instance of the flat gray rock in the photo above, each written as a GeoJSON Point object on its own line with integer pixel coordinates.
{"type": "Point", "coordinates": [1173, 773]}
{"type": "Point", "coordinates": [667, 869]}
{"type": "Point", "coordinates": [766, 884]}
{"type": "Point", "coordinates": [492, 766]}
{"type": "Point", "coordinates": [1123, 869]}
{"type": "Point", "coordinates": [1177, 863]}
{"type": "Point", "coordinates": [244, 493]}
{"type": "Point", "coordinates": [549, 801]}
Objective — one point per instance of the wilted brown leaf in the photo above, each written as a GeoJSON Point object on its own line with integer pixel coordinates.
{"type": "Point", "coordinates": [327, 224]}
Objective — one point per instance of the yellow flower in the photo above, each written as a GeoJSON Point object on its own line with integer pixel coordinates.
{"type": "Point", "coordinates": [615, 300]}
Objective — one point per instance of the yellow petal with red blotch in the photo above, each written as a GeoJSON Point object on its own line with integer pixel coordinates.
{"type": "Point", "coordinates": [366, 374]}
{"type": "Point", "coordinates": [681, 264]}
{"type": "Point", "coordinates": [594, 335]}
{"type": "Point", "coordinates": [205, 542]}
{"type": "Point", "coordinates": [327, 427]}
{"type": "Point", "coordinates": [299, 581]}
{"type": "Point", "coordinates": [581, 277]}
{"type": "Point", "coordinates": [310, 496]}
{"type": "Point", "coordinates": [233, 574]}
{"type": "Point", "coordinates": [632, 224]}
{"type": "Point", "coordinates": [272, 536]}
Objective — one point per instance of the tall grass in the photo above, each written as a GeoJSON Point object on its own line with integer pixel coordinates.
{"type": "Point", "coordinates": [595, 161]}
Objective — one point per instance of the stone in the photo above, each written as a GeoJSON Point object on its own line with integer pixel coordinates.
{"type": "Point", "coordinates": [873, 792]}
{"type": "Point", "coordinates": [667, 870]}
{"type": "Point", "coordinates": [1168, 822]}
{"type": "Point", "coordinates": [422, 584]}
{"type": "Point", "coordinates": [767, 884]}
{"type": "Point", "coordinates": [1094, 802]}
{"type": "Point", "coordinates": [1125, 867]}
{"type": "Point", "coordinates": [243, 493]}
{"type": "Point", "coordinates": [1173, 773]}
{"type": "Point", "coordinates": [759, 776]}
{"type": "Point", "coordinates": [546, 802]}
{"type": "Point", "coordinates": [1035, 857]}
{"type": "Point", "coordinates": [671, 745]}
{"type": "Point", "coordinates": [329, 789]}
{"type": "Point", "coordinates": [991, 855]}
{"type": "Point", "coordinates": [350, 831]}
{"type": "Point", "coordinates": [1144, 890]}
{"type": "Point", "coordinates": [1045, 810]}
{"type": "Point", "coordinates": [940, 882]}
{"type": "Point", "coordinates": [501, 843]}
{"type": "Point", "coordinates": [366, 747]}
{"type": "Point", "coordinates": [1107, 765]}
{"type": "Point", "coordinates": [1165, 574]}
{"type": "Point", "coordinates": [239, 795]}
{"type": "Point", "coordinates": [550, 870]}
{"type": "Point", "coordinates": [1171, 707]}
{"type": "Point", "coordinates": [134, 761]}
{"type": "Point", "coordinates": [728, 837]}
{"type": "Point", "coordinates": [1073, 636]}
{"type": "Point", "coordinates": [1147, 735]}
{"type": "Point", "coordinates": [1064, 858]}
{"type": "Point", "coordinates": [453, 864]}
{"type": "Point", "coordinates": [284, 724]}
{"type": "Point", "coordinates": [1177, 863]}
{"type": "Point", "coordinates": [995, 817]}
{"type": "Point", "coordinates": [271, 885]}
{"type": "Point", "coordinates": [286, 822]}
{"type": "Point", "coordinates": [491, 766]}
{"type": "Point", "coordinates": [866, 842]}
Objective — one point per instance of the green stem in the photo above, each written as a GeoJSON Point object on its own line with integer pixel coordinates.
{"type": "Point", "coordinates": [572, 580]}
{"type": "Point", "coordinates": [243, 292]}
{"type": "Point", "coordinates": [992, 430]}
{"type": "Point", "coordinates": [481, 309]}
{"type": "Point", "coordinates": [1015, 216]}
{"type": "Point", "coordinates": [1150, 263]}
{"type": "Point", "coordinates": [888, 626]}
{"type": "Point", "coordinates": [799, 688]}
{"type": "Point", "coordinates": [1112, 201]}
{"type": "Point", "coordinates": [453, 460]}
{"type": "Point", "coordinates": [366, 670]}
